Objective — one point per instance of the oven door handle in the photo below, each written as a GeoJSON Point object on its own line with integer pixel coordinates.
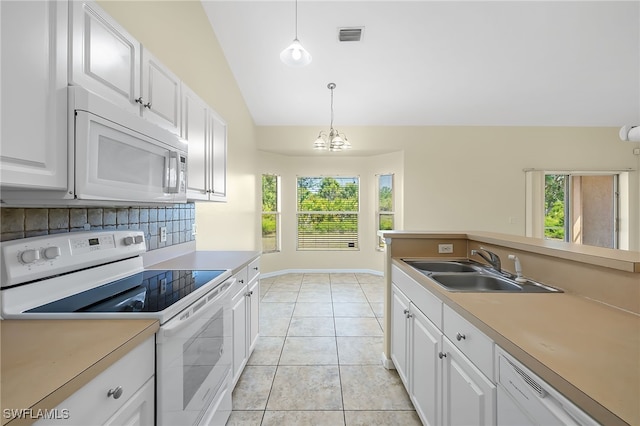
{"type": "Point", "coordinates": [182, 320]}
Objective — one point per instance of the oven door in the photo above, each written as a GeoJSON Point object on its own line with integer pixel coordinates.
{"type": "Point", "coordinates": [115, 163]}
{"type": "Point", "coordinates": [194, 359]}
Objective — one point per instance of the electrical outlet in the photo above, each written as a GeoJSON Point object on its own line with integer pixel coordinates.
{"type": "Point", "coordinates": [163, 234]}
{"type": "Point", "coordinates": [194, 229]}
{"type": "Point", "coordinates": [445, 248]}
{"type": "Point", "coordinates": [163, 285]}
{"type": "Point", "coordinates": [636, 151]}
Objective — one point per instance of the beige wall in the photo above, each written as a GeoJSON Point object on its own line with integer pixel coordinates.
{"type": "Point", "coordinates": [179, 34]}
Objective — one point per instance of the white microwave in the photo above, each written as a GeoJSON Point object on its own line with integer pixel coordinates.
{"type": "Point", "coordinates": [115, 158]}
{"type": "Point", "coordinates": [122, 157]}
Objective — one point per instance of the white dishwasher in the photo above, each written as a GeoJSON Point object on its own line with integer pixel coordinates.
{"type": "Point", "coordinates": [525, 399]}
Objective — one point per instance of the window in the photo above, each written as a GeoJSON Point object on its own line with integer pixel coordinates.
{"type": "Point", "coordinates": [270, 213]}
{"type": "Point", "coordinates": [582, 208]}
{"type": "Point", "coordinates": [385, 210]}
{"type": "Point", "coordinates": [328, 213]}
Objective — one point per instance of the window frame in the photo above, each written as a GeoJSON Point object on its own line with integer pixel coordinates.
{"type": "Point", "coordinates": [277, 214]}
{"type": "Point", "coordinates": [355, 213]}
{"type": "Point", "coordinates": [381, 244]}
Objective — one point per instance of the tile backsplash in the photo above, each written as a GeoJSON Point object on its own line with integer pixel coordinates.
{"type": "Point", "coordinates": [19, 223]}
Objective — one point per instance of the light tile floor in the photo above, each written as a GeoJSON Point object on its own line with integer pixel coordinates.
{"type": "Point", "coordinates": [317, 360]}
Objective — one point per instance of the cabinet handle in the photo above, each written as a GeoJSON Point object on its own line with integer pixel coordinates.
{"type": "Point", "coordinates": [251, 293]}
{"type": "Point", "coordinates": [255, 268]}
{"type": "Point", "coordinates": [115, 393]}
{"type": "Point", "coordinates": [147, 105]}
{"type": "Point", "coordinates": [460, 336]}
{"type": "Point", "coordinates": [139, 100]}
{"type": "Point", "coordinates": [241, 281]}
{"type": "Point", "coordinates": [442, 355]}
{"type": "Point", "coordinates": [406, 311]}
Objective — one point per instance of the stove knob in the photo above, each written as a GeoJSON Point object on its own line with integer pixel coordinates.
{"type": "Point", "coordinates": [30, 256]}
{"type": "Point", "coordinates": [128, 241]}
{"type": "Point", "coordinates": [139, 239]}
{"type": "Point", "coordinates": [51, 252]}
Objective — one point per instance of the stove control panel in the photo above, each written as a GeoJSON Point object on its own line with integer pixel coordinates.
{"type": "Point", "coordinates": [41, 257]}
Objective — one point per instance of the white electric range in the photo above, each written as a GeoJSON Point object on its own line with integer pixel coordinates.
{"type": "Point", "coordinates": [100, 275]}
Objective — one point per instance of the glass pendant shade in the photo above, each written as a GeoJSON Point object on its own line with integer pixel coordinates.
{"type": "Point", "coordinates": [295, 55]}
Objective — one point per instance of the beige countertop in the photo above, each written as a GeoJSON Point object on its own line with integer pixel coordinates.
{"type": "Point", "coordinates": [45, 361]}
{"type": "Point", "coordinates": [587, 350]}
{"type": "Point", "coordinates": [203, 259]}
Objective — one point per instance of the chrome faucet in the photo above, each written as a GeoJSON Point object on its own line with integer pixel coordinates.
{"type": "Point", "coordinates": [493, 259]}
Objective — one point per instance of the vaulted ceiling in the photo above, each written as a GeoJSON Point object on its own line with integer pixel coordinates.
{"type": "Point", "coordinates": [501, 63]}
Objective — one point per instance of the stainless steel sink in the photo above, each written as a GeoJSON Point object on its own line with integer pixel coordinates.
{"type": "Point", "coordinates": [431, 266]}
{"type": "Point", "coordinates": [476, 282]}
{"type": "Point", "coordinates": [470, 276]}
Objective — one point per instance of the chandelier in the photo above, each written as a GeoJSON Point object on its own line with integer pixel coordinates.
{"type": "Point", "coordinates": [295, 55]}
{"type": "Point", "coordinates": [334, 140]}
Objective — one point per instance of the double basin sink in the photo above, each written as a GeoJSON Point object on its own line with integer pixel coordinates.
{"type": "Point", "coordinates": [470, 276]}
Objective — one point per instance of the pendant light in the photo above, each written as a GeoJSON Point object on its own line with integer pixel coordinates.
{"type": "Point", "coordinates": [295, 55]}
{"type": "Point", "coordinates": [334, 140]}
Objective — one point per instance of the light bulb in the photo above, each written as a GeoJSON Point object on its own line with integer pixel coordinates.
{"type": "Point", "coordinates": [295, 55]}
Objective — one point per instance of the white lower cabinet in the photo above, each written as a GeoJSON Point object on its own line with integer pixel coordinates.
{"type": "Point", "coordinates": [415, 345]}
{"type": "Point", "coordinates": [123, 394]}
{"type": "Point", "coordinates": [239, 328]}
{"type": "Point", "coordinates": [245, 316]}
{"type": "Point", "coordinates": [425, 367]}
{"type": "Point", "coordinates": [441, 377]}
{"type": "Point", "coordinates": [138, 410]}
{"type": "Point", "coordinates": [469, 397]}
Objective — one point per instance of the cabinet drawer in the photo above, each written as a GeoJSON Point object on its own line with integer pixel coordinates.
{"type": "Point", "coordinates": [424, 300]}
{"type": "Point", "coordinates": [91, 404]}
{"type": "Point", "coordinates": [241, 276]}
{"type": "Point", "coordinates": [471, 341]}
{"type": "Point", "coordinates": [253, 270]}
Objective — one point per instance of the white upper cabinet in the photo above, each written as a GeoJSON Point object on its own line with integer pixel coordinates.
{"type": "Point", "coordinates": [33, 122]}
{"type": "Point", "coordinates": [218, 166]}
{"type": "Point", "coordinates": [108, 61]}
{"type": "Point", "coordinates": [195, 115]}
{"type": "Point", "coordinates": [105, 58]}
{"type": "Point", "coordinates": [206, 136]}
{"type": "Point", "coordinates": [160, 94]}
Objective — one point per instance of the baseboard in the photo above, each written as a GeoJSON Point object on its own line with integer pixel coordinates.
{"type": "Point", "coordinates": [320, 271]}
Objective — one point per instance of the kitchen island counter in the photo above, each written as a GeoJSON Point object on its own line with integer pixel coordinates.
{"type": "Point", "coordinates": [588, 351]}
{"type": "Point", "coordinates": [584, 342]}
{"type": "Point", "coordinates": [43, 362]}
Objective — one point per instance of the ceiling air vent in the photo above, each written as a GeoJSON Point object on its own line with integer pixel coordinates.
{"type": "Point", "coordinates": [350, 34]}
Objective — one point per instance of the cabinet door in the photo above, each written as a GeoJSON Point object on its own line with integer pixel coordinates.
{"type": "Point", "coordinates": [139, 410]}
{"type": "Point", "coordinates": [194, 131]}
{"type": "Point", "coordinates": [399, 332]}
{"type": "Point", "coordinates": [33, 123]}
{"type": "Point", "coordinates": [105, 58]}
{"type": "Point", "coordinates": [469, 398]}
{"type": "Point", "coordinates": [160, 94]}
{"type": "Point", "coordinates": [239, 331]}
{"type": "Point", "coordinates": [254, 314]}
{"type": "Point", "coordinates": [218, 166]}
{"type": "Point", "coordinates": [425, 368]}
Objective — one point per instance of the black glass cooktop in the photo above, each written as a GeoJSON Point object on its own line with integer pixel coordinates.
{"type": "Point", "coordinates": [148, 291]}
